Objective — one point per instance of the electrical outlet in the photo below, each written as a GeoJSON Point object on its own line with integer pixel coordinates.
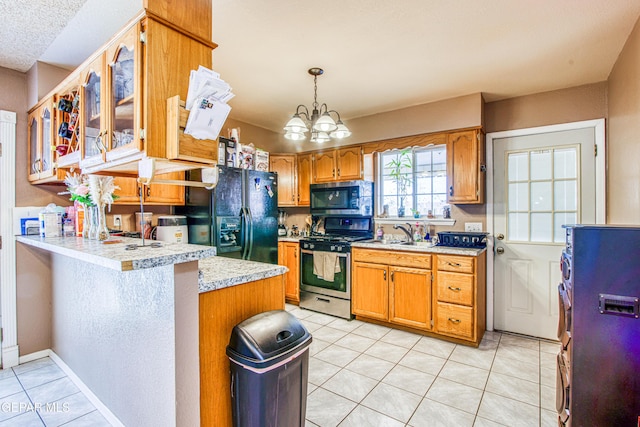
{"type": "Point", "coordinates": [473, 226]}
{"type": "Point", "coordinates": [117, 222]}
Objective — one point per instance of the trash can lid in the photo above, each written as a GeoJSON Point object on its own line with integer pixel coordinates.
{"type": "Point", "coordinates": [263, 339]}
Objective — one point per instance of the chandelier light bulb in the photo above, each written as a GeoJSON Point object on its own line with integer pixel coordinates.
{"type": "Point", "coordinates": [294, 136]}
{"type": "Point", "coordinates": [341, 132]}
{"type": "Point", "coordinates": [325, 124]}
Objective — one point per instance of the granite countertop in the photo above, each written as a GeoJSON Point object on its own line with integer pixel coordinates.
{"type": "Point", "coordinates": [422, 248]}
{"type": "Point", "coordinates": [219, 272]}
{"type": "Point", "coordinates": [116, 256]}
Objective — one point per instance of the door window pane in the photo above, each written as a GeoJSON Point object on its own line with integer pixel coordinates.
{"type": "Point", "coordinates": [560, 219]}
{"type": "Point", "coordinates": [541, 165]}
{"type": "Point", "coordinates": [518, 227]}
{"type": "Point", "coordinates": [564, 163]}
{"type": "Point", "coordinates": [541, 227]}
{"type": "Point", "coordinates": [541, 196]}
{"type": "Point", "coordinates": [565, 195]}
{"type": "Point", "coordinates": [519, 196]}
{"type": "Point", "coordinates": [518, 168]}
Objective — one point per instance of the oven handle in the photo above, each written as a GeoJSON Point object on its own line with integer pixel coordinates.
{"type": "Point", "coordinates": [340, 255]}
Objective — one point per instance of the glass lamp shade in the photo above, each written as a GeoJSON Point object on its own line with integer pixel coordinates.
{"type": "Point", "coordinates": [294, 136]}
{"type": "Point", "coordinates": [341, 132]}
{"type": "Point", "coordinates": [320, 137]}
{"type": "Point", "coordinates": [296, 125]}
{"type": "Point", "coordinates": [325, 124]}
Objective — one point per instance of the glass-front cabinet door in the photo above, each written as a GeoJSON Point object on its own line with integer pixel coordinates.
{"type": "Point", "coordinates": [93, 131]}
{"type": "Point", "coordinates": [124, 95]}
{"type": "Point", "coordinates": [40, 146]}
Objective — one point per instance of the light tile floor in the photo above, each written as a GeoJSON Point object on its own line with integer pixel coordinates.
{"type": "Point", "coordinates": [39, 393]}
{"type": "Point", "coordinates": [362, 374]}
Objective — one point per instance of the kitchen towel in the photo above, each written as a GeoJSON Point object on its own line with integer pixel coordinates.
{"type": "Point", "coordinates": [325, 265]}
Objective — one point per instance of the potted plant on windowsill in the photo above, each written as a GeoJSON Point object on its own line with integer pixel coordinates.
{"type": "Point", "coordinates": [400, 170]}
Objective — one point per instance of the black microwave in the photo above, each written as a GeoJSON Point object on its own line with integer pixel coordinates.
{"type": "Point", "coordinates": [342, 198]}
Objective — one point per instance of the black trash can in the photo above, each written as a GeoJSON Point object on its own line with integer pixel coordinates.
{"type": "Point", "coordinates": [269, 356]}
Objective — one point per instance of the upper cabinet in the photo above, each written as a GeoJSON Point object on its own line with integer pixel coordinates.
{"type": "Point", "coordinates": [294, 178]}
{"type": "Point", "coordinates": [40, 135]}
{"type": "Point", "coordinates": [304, 178]}
{"type": "Point", "coordinates": [465, 167]}
{"type": "Point", "coordinates": [342, 164]}
{"type": "Point", "coordinates": [124, 101]}
{"type": "Point", "coordinates": [285, 166]}
{"type": "Point", "coordinates": [114, 107]}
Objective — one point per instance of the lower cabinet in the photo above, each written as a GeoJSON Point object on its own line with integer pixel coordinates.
{"type": "Point", "coordinates": [388, 287]}
{"type": "Point", "coordinates": [402, 288]}
{"type": "Point", "coordinates": [289, 256]}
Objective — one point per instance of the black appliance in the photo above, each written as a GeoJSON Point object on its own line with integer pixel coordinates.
{"type": "Point", "coordinates": [239, 216]}
{"type": "Point", "coordinates": [331, 295]}
{"type": "Point", "coordinates": [342, 198]}
{"type": "Point", "coordinates": [598, 380]}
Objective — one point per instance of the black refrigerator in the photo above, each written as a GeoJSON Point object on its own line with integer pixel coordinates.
{"type": "Point", "coordinates": [238, 217]}
{"type": "Point", "coordinates": [598, 375]}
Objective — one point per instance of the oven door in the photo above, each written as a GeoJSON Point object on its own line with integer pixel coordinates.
{"type": "Point", "coordinates": [341, 285]}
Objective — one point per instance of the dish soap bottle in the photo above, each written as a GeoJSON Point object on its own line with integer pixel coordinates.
{"type": "Point", "coordinates": [380, 233]}
{"type": "Point", "coordinates": [416, 233]}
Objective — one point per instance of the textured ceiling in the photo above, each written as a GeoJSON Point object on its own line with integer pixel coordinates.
{"type": "Point", "coordinates": [29, 27]}
{"type": "Point", "coordinates": [377, 55]}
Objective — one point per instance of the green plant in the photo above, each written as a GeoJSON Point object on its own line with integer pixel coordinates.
{"type": "Point", "coordinates": [400, 170]}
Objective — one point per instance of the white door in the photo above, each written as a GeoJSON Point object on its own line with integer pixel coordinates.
{"type": "Point", "coordinates": [541, 182]}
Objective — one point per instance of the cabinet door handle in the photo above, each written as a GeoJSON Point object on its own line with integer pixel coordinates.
{"type": "Point", "coordinates": [452, 320]}
{"type": "Point", "coordinates": [333, 172]}
{"type": "Point", "coordinates": [384, 274]}
{"type": "Point", "coordinates": [451, 190]}
{"type": "Point", "coordinates": [454, 264]}
{"type": "Point", "coordinates": [392, 275]}
{"type": "Point", "coordinates": [454, 289]}
{"type": "Point", "coordinates": [148, 191]}
{"type": "Point", "coordinates": [338, 171]}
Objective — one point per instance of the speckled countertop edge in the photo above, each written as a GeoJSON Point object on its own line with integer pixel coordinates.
{"type": "Point", "coordinates": [115, 256]}
{"type": "Point", "coordinates": [219, 272]}
{"type": "Point", "coordinates": [446, 250]}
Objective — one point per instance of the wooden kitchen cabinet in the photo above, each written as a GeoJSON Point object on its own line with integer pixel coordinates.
{"type": "Point", "coordinates": [154, 194]}
{"type": "Point", "coordinates": [465, 167]}
{"type": "Point", "coordinates": [370, 290]}
{"type": "Point", "coordinates": [123, 91]}
{"type": "Point", "coordinates": [304, 178]}
{"type": "Point", "coordinates": [289, 256]}
{"type": "Point", "coordinates": [342, 164]}
{"type": "Point", "coordinates": [294, 178]}
{"type": "Point", "coordinates": [392, 287]}
{"type": "Point", "coordinates": [40, 136]}
{"type": "Point", "coordinates": [285, 166]}
{"type": "Point", "coordinates": [461, 296]}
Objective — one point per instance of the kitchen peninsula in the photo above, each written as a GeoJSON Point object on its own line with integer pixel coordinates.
{"type": "Point", "coordinates": [145, 329]}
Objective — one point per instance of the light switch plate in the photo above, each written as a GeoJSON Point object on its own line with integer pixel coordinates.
{"type": "Point", "coordinates": [473, 226]}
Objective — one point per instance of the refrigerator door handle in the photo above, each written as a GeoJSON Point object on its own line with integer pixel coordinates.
{"type": "Point", "coordinates": [250, 233]}
{"type": "Point", "coordinates": [245, 233]}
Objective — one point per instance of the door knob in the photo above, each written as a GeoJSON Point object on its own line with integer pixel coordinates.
{"type": "Point", "coordinates": [500, 236]}
{"type": "Point", "coordinates": [500, 250]}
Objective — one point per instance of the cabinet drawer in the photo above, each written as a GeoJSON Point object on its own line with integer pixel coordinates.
{"type": "Point", "coordinates": [459, 264]}
{"type": "Point", "coordinates": [395, 258]}
{"type": "Point", "coordinates": [455, 320]}
{"type": "Point", "coordinates": [455, 288]}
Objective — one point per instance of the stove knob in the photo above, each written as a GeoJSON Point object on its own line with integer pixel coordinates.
{"type": "Point", "coordinates": [339, 248]}
{"type": "Point", "coordinates": [333, 248]}
{"type": "Point", "coordinates": [311, 246]}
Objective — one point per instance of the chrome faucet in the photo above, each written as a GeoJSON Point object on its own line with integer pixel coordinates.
{"type": "Point", "coordinates": [408, 232]}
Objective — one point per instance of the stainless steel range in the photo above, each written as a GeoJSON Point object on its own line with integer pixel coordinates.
{"type": "Point", "coordinates": [325, 265]}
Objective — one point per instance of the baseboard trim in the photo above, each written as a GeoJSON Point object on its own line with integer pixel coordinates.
{"type": "Point", "coordinates": [10, 356]}
{"type": "Point", "coordinates": [106, 413]}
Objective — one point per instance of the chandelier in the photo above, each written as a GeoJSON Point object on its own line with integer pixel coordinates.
{"type": "Point", "coordinates": [322, 125]}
